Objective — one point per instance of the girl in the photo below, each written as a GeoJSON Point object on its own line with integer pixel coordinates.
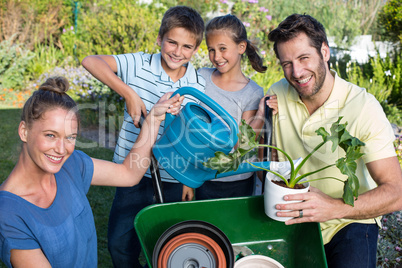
{"type": "Point", "coordinates": [226, 39]}
{"type": "Point", "coordinates": [45, 216]}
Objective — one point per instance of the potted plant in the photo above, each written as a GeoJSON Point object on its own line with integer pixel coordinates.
{"type": "Point", "coordinates": [338, 135]}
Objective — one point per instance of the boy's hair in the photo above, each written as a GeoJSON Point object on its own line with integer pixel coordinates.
{"type": "Point", "coordinates": [293, 25]}
{"type": "Point", "coordinates": [183, 17]}
{"type": "Point", "coordinates": [235, 27]}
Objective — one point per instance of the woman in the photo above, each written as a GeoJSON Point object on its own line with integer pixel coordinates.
{"type": "Point", "coordinates": [45, 217]}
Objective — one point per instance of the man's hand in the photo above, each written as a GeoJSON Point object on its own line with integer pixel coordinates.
{"type": "Point", "coordinates": [316, 206]}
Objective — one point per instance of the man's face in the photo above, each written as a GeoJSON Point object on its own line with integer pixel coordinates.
{"type": "Point", "coordinates": [303, 67]}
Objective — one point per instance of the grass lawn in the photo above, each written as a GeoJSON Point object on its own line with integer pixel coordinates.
{"type": "Point", "coordinates": [99, 197]}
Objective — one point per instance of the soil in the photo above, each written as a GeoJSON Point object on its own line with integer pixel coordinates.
{"type": "Point", "coordinates": [283, 184]}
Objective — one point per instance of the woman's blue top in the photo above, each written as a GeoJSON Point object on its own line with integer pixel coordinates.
{"type": "Point", "coordinates": [65, 231]}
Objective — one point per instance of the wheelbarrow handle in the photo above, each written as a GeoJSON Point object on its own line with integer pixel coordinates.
{"type": "Point", "coordinates": [267, 137]}
{"type": "Point", "coordinates": [156, 180]}
{"type": "Point", "coordinates": [155, 175]}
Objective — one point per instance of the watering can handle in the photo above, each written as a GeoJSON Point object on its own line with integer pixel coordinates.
{"type": "Point", "coordinates": [208, 101]}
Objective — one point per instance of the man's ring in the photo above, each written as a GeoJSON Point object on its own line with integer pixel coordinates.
{"type": "Point", "coordinates": [301, 213]}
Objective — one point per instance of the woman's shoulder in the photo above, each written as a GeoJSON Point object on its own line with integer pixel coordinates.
{"type": "Point", "coordinates": [12, 207]}
{"type": "Point", "coordinates": [76, 158]}
{"type": "Point", "coordinates": [79, 168]}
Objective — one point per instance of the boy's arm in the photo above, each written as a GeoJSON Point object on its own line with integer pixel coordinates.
{"type": "Point", "coordinates": [104, 68]}
{"type": "Point", "coordinates": [137, 162]}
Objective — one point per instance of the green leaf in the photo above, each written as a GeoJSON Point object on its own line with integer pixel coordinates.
{"type": "Point", "coordinates": [221, 162]}
{"type": "Point", "coordinates": [247, 136]}
{"type": "Point", "coordinates": [245, 150]}
{"type": "Point", "coordinates": [348, 195]}
{"type": "Point", "coordinates": [322, 132]}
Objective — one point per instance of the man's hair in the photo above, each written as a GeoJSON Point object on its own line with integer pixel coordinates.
{"type": "Point", "coordinates": [293, 25]}
{"type": "Point", "coordinates": [183, 17]}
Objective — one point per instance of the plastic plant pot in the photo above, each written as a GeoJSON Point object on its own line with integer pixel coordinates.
{"type": "Point", "coordinates": [193, 244]}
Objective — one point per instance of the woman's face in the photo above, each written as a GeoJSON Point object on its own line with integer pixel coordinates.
{"type": "Point", "coordinates": [50, 140]}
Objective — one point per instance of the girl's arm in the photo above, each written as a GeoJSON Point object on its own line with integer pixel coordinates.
{"type": "Point", "coordinates": [136, 163]}
{"type": "Point", "coordinates": [255, 118]}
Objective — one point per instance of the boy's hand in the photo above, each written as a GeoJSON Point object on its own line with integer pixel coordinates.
{"type": "Point", "coordinates": [135, 107]}
{"type": "Point", "coordinates": [188, 193]}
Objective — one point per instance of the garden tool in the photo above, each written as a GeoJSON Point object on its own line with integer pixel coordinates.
{"type": "Point", "coordinates": [193, 136]}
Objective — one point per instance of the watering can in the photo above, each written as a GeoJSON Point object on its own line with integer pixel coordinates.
{"type": "Point", "coordinates": [193, 136]}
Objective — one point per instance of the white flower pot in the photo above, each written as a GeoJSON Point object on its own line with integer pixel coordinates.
{"type": "Point", "coordinates": [257, 261]}
{"type": "Point", "coordinates": [273, 195]}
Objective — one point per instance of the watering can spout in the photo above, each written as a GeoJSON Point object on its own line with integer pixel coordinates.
{"type": "Point", "coordinates": [283, 168]}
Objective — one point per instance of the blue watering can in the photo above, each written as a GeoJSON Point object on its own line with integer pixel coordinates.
{"type": "Point", "coordinates": [193, 136]}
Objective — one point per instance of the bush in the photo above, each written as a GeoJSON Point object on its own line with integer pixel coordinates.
{"type": "Point", "coordinates": [33, 22]}
{"type": "Point", "coordinates": [389, 250]}
{"type": "Point", "coordinates": [390, 19]}
{"type": "Point", "coordinates": [342, 19]}
{"type": "Point", "coordinates": [14, 60]}
{"type": "Point", "coordinates": [382, 78]}
{"type": "Point", "coordinates": [125, 26]}
{"type": "Point", "coordinates": [95, 99]}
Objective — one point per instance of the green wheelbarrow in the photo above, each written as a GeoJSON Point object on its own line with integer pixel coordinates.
{"type": "Point", "coordinates": [244, 223]}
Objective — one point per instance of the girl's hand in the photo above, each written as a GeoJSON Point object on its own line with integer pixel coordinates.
{"type": "Point", "coordinates": [272, 103]}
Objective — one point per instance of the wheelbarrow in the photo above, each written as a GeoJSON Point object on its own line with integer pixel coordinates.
{"type": "Point", "coordinates": [244, 223]}
{"type": "Point", "coordinates": [228, 223]}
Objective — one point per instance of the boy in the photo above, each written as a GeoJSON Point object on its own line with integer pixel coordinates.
{"type": "Point", "coordinates": [141, 79]}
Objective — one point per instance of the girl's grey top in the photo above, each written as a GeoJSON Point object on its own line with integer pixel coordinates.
{"type": "Point", "coordinates": [234, 102]}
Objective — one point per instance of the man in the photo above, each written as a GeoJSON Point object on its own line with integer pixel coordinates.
{"type": "Point", "coordinates": [311, 96]}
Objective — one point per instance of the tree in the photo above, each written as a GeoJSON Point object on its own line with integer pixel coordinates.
{"type": "Point", "coordinates": [390, 19]}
